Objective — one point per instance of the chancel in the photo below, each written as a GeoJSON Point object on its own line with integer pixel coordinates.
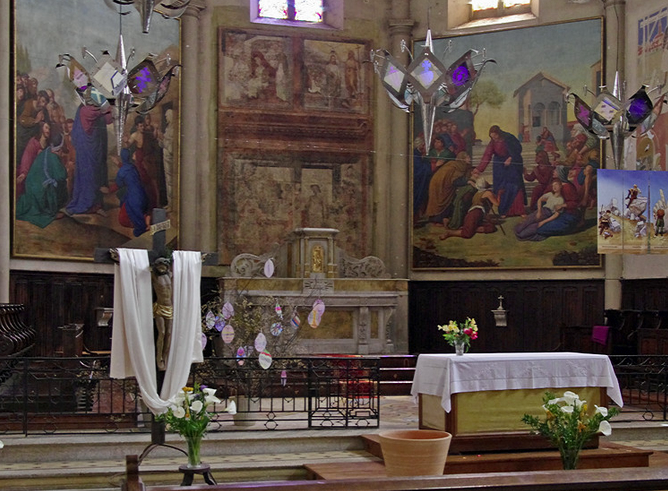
{"type": "Point", "coordinates": [215, 206]}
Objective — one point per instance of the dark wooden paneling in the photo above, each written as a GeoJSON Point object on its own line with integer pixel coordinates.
{"type": "Point", "coordinates": [537, 312]}
{"type": "Point", "coordinates": [649, 294]}
{"type": "Point", "coordinates": [53, 300]}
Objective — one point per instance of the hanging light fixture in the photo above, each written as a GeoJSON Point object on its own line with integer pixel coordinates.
{"type": "Point", "coordinates": [110, 83]}
{"type": "Point", "coordinates": [610, 118]}
{"type": "Point", "coordinates": [169, 9]}
{"type": "Point", "coordinates": [426, 81]}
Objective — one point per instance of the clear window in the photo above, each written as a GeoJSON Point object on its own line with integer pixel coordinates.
{"type": "Point", "coordinates": [481, 9]}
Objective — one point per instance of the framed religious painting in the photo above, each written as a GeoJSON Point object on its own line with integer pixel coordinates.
{"type": "Point", "coordinates": [95, 149]}
{"type": "Point", "coordinates": [508, 180]}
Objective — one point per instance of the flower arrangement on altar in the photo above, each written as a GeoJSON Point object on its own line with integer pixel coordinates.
{"type": "Point", "coordinates": [189, 416]}
{"type": "Point", "coordinates": [460, 335]}
{"type": "Point", "coordinates": [568, 424]}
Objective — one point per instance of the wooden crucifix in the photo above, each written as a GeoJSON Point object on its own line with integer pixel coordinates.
{"type": "Point", "coordinates": [157, 255]}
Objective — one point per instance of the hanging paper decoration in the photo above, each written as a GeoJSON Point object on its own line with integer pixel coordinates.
{"type": "Point", "coordinates": [269, 268]}
{"type": "Point", "coordinates": [264, 359]}
{"type": "Point", "coordinates": [204, 341]}
{"type": "Point", "coordinates": [228, 310]}
{"type": "Point", "coordinates": [210, 319]}
{"type": "Point", "coordinates": [315, 317]}
{"type": "Point", "coordinates": [219, 324]}
{"type": "Point", "coordinates": [296, 321]}
{"type": "Point", "coordinates": [228, 334]}
{"type": "Point", "coordinates": [284, 377]}
{"type": "Point", "coordinates": [279, 310]}
{"type": "Point", "coordinates": [276, 328]}
{"type": "Point", "coordinates": [241, 354]}
{"type": "Point", "coordinates": [260, 342]}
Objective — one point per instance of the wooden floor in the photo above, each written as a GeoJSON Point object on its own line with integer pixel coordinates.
{"type": "Point", "coordinates": [608, 455]}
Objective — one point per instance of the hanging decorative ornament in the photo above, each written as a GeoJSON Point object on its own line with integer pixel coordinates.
{"type": "Point", "coordinates": [295, 321]}
{"type": "Point", "coordinates": [228, 310]}
{"type": "Point", "coordinates": [276, 329]}
{"type": "Point", "coordinates": [204, 341]}
{"type": "Point", "coordinates": [610, 118]}
{"type": "Point", "coordinates": [278, 310]}
{"type": "Point", "coordinates": [269, 268]}
{"type": "Point", "coordinates": [315, 316]}
{"type": "Point", "coordinates": [260, 342]}
{"type": "Point", "coordinates": [219, 324]}
{"type": "Point", "coordinates": [169, 9]}
{"type": "Point", "coordinates": [227, 334]}
{"type": "Point", "coordinates": [264, 359]}
{"type": "Point", "coordinates": [241, 354]}
{"type": "Point", "coordinates": [110, 83]}
{"type": "Point", "coordinates": [210, 319]}
{"type": "Point", "coordinates": [427, 81]}
{"type": "Point", "coordinates": [284, 377]}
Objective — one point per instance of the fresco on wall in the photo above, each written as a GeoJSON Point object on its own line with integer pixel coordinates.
{"type": "Point", "coordinates": [264, 199]}
{"type": "Point", "coordinates": [64, 206]}
{"type": "Point", "coordinates": [480, 191]}
{"type": "Point", "coordinates": [294, 136]}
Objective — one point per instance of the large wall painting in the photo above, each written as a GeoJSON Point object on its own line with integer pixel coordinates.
{"type": "Point", "coordinates": [295, 141]}
{"type": "Point", "coordinates": [483, 195]}
{"type": "Point", "coordinates": [265, 197]}
{"type": "Point", "coordinates": [67, 202]}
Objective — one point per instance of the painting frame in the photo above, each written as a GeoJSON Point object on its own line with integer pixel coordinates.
{"type": "Point", "coordinates": [61, 230]}
{"type": "Point", "coordinates": [507, 97]}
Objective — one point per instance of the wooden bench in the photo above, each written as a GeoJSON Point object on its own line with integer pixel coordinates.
{"type": "Point", "coordinates": [623, 479]}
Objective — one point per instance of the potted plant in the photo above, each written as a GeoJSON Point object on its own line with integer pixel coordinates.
{"type": "Point", "coordinates": [568, 424]}
{"type": "Point", "coordinates": [189, 416]}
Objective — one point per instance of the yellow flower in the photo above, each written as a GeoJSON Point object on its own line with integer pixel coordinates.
{"type": "Point", "coordinates": [187, 389]}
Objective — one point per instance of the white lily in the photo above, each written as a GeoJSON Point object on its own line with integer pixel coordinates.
{"type": "Point", "coordinates": [196, 406]}
{"type": "Point", "coordinates": [211, 400]}
{"type": "Point", "coordinates": [605, 428]}
{"type": "Point", "coordinates": [570, 397]}
{"type": "Point", "coordinates": [179, 412]}
{"type": "Point", "coordinates": [209, 391]}
{"type": "Point", "coordinates": [567, 409]}
{"type": "Point", "coordinates": [231, 408]}
{"type": "Point", "coordinates": [603, 411]}
{"type": "Point", "coordinates": [1, 444]}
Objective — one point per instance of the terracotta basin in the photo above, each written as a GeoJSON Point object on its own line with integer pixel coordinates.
{"type": "Point", "coordinates": [414, 452]}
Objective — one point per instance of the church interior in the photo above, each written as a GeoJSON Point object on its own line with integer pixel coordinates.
{"type": "Point", "coordinates": [329, 160]}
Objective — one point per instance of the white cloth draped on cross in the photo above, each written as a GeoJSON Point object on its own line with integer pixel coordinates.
{"type": "Point", "coordinates": [132, 342]}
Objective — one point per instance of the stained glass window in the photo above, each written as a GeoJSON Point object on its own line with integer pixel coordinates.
{"type": "Point", "coordinates": [298, 10]}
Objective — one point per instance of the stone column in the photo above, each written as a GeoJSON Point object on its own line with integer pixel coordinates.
{"type": "Point", "coordinates": [615, 28]}
{"type": "Point", "coordinates": [399, 209]}
{"type": "Point", "coordinates": [190, 197]}
{"type": "Point", "coordinates": [5, 111]}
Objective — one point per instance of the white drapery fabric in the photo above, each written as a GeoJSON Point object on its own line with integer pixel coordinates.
{"type": "Point", "coordinates": [132, 342]}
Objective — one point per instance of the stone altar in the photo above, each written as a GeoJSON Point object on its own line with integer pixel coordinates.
{"type": "Point", "coordinates": [366, 311]}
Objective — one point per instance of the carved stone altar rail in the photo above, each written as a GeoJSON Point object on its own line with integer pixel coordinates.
{"type": "Point", "coordinates": [360, 316]}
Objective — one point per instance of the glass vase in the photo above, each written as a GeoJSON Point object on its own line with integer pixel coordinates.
{"type": "Point", "coordinates": [569, 458]}
{"type": "Point", "coordinates": [460, 347]}
{"type": "Point", "coordinates": [194, 443]}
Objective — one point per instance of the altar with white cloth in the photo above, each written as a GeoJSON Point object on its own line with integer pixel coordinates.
{"type": "Point", "coordinates": [481, 397]}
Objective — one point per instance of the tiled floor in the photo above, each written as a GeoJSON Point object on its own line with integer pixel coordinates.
{"type": "Point", "coordinates": [274, 454]}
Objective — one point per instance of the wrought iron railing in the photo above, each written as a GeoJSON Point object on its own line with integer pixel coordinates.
{"type": "Point", "coordinates": [643, 380]}
{"type": "Point", "coordinates": [49, 395]}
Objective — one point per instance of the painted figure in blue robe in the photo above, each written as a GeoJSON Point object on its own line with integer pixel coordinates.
{"type": "Point", "coordinates": [45, 189]}
{"type": "Point", "coordinates": [134, 211]}
{"type": "Point", "coordinates": [89, 137]}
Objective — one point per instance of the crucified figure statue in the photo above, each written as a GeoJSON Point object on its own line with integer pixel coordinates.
{"type": "Point", "coordinates": [163, 310]}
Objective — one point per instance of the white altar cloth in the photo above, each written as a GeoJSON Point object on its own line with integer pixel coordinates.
{"type": "Point", "coordinates": [446, 374]}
